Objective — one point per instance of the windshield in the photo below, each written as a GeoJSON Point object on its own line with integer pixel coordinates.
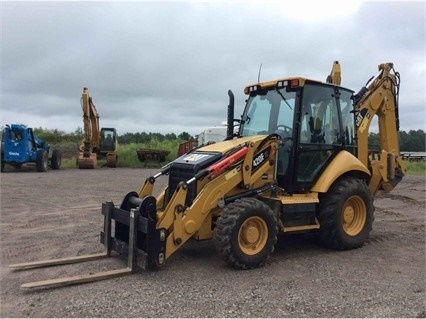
{"type": "Point", "coordinates": [267, 112]}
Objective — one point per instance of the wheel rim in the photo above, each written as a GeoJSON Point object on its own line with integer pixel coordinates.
{"type": "Point", "coordinates": [253, 235]}
{"type": "Point", "coordinates": [354, 215]}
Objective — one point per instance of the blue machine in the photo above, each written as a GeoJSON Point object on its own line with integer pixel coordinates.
{"type": "Point", "coordinates": [19, 145]}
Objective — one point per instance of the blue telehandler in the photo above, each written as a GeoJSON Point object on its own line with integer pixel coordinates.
{"type": "Point", "coordinates": [19, 145]}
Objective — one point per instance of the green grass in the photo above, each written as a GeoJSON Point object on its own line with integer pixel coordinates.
{"type": "Point", "coordinates": [416, 168]}
{"type": "Point", "coordinates": [127, 156]}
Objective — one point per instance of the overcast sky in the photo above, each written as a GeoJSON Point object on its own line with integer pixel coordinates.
{"type": "Point", "coordinates": [167, 66]}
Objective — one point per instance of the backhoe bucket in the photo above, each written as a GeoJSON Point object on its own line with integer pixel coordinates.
{"type": "Point", "coordinates": [87, 162]}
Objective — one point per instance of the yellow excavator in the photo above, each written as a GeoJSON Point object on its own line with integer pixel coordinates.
{"type": "Point", "coordinates": [299, 162]}
{"type": "Point", "coordinates": [97, 143]}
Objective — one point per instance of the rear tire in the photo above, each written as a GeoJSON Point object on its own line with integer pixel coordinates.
{"type": "Point", "coordinates": [55, 162]}
{"type": "Point", "coordinates": [41, 162]}
{"type": "Point", "coordinates": [246, 233]}
{"type": "Point", "coordinates": [346, 214]}
{"type": "Point", "coordinates": [2, 162]}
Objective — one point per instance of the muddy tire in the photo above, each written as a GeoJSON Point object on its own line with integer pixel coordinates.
{"type": "Point", "coordinates": [55, 162]}
{"type": "Point", "coordinates": [246, 233]}
{"type": "Point", "coordinates": [41, 161]}
{"type": "Point", "coordinates": [346, 214]}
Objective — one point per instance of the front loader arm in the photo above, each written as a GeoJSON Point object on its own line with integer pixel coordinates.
{"type": "Point", "coordinates": [227, 178]}
{"type": "Point", "coordinates": [380, 97]}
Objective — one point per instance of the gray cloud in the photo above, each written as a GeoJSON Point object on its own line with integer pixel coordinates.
{"type": "Point", "coordinates": [167, 66]}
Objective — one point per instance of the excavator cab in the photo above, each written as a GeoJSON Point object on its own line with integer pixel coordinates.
{"type": "Point", "coordinates": [108, 141]}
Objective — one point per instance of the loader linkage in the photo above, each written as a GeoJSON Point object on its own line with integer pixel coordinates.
{"type": "Point", "coordinates": [137, 221]}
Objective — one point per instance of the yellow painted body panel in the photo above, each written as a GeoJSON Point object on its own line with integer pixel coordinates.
{"type": "Point", "coordinates": [195, 220]}
{"type": "Point", "coordinates": [343, 163]}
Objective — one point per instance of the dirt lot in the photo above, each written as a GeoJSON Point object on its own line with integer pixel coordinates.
{"type": "Point", "coordinates": [57, 214]}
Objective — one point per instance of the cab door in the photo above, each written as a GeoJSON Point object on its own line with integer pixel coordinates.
{"type": "Point", "coordinates": [319, 135]}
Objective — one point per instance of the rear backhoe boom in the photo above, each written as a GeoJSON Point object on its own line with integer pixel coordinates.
{"type": "Point", "coordinates": [380, 97]}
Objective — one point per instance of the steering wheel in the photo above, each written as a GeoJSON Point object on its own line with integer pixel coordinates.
{"type": "Point", "coordinates": [284, 131]}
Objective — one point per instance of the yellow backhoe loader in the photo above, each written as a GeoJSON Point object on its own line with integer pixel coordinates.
{"type": "Point", "coordinates": [96, 144]}
{"type": "Point", "coordinates": [300, 162]}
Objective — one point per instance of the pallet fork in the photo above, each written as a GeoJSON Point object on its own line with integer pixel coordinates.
{"type": "Point", "coordinates": [108, 210]}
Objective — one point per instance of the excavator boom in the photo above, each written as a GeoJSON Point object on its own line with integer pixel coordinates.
{"type": "Point", "coordinates": [87, 156]}
{"type": "Point", "coordinates": [335, 74]}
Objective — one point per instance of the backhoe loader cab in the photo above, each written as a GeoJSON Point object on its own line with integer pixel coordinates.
{"type": "Point", "coordinates": [298, 163]}
{"type": "Point", "coordinates": [312, 120]}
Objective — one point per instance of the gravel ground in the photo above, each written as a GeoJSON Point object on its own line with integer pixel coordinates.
{"type": "Point", "coordinates": [57, 214]}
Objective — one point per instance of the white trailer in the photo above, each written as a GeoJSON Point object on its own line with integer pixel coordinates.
{"type": "Point", "coordinates": [212, 134]}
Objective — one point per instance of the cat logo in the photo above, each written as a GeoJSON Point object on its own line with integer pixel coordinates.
{"type": "Point", "coordinates": [195, 157]}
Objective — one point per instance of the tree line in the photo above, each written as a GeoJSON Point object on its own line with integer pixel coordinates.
{"type": "Point", "coordinates": [56, 136]}
{"type": "Point", "coordinates": [412, 141]}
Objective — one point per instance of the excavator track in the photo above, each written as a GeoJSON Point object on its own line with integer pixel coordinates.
{"type": "Point", "coordinates": [112, 160]}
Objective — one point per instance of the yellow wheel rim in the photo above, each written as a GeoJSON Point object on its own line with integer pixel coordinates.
{"type": "Point", "coordinates": [253, 235]}
{"type": "Point", "coordinates": [354, 215]}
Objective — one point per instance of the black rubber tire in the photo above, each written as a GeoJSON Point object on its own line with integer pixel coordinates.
{"type": "Point", "coordinates": [56, 160]}
{"type": "Point", "coordinates": [2, 162]}
{"type": "Point", "coordinates": [346, 214]}
{"type": "Point", "coordinates": [238, 219]}
{"type": "Point", "coordinates": [42, 161]}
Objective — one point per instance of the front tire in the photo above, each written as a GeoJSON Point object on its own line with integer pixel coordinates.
{"type": "Point", "coordinates": [246, 233]}
{"type": "Point", "coordinates": [55, 162]}
{"type": "Point", "coordinates": [42, 159]}
{"type": "Point", "coordinates": [346, 214]}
